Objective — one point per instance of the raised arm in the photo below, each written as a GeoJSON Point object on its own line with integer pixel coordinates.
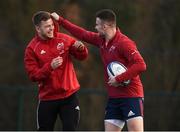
{"type": "Point", "coordinates": [78, 32]}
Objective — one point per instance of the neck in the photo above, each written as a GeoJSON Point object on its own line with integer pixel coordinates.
{"type": "Point", "coordinates": [42, 37]}
{"type": "Point", "coordinates": [110, 34]}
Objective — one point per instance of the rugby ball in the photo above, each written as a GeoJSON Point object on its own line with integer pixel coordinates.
{"type": "Point", "coordinates": [116, 68]}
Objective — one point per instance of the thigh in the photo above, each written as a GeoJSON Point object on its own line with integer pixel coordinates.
{"type": "Point", "coordinates": [114, 109]}
{"type": "Point", "coordinates": [120, 110]}
{"type": "Point", "coordinates": [113, 125]}
{"type": "Point", "coordinates": [46, 115]}
{"type": "Point", "coordinates": [114, 120]}
{"type": "Point", "coordinates": [135, 124]}
{"type": "Point", "coordinates": [70, 113]}
{"type": "Point", "coordinates": [134, 114]}
{"type": "Point", "coordinates": [133, 108]}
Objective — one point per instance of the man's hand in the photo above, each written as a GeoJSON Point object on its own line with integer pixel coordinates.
{"type": "Point", "coordinates": [55, 16]}
{"type": "Point", "coordinates": [56, 62]}
{"type": "Point", "coordinates": [79, 45]}
{"type": "Point", "coordinates": [112, 81]}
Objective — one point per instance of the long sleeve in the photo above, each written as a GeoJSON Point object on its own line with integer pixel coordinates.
{"type": "Point", "coordinates": [137, 64]}
{"type": "Point", "coordinates": [80, 33]}
{"type": "Point", "coordinates": [35, 72]}
{"type": "Point", "coordinates": [80, 55]}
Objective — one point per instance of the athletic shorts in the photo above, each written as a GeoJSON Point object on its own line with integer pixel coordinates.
{"type": "Point", "coordinates": [124, 108]}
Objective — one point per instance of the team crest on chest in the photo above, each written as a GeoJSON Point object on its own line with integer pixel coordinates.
{"type": "Point", "coordinates": [60, 47]}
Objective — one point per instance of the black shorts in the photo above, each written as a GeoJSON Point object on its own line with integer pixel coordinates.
{"type": "Point", "coordinates": [124, 108]}
{"type": "Point", "coordinates": [67, 109]}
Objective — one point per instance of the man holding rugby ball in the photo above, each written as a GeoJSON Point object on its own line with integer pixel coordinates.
{"type": "Point", "coordinates": [125, 103]}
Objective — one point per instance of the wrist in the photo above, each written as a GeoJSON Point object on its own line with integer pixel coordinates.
{"type": "Point", "coordinates": [61, 19]}
{"type": "Point", "coordinates": [116, 78]}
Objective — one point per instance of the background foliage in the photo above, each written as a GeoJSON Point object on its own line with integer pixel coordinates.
{"type": "Point", "coordinates": [153, 25]}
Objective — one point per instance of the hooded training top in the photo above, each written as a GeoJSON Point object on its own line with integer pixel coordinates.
{"type": "Point", "coordinates": [120, 48]}
{"type": "Point", "coordinates": [58, 83]}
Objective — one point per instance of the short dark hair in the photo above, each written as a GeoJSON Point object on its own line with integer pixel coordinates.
{"type": "Point", "coordinates": [107, 15]}
{"type": "Point", "coordinates": [40, 16]}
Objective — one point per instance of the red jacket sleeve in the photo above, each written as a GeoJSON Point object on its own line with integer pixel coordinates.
{"type": "Point", "coordinates": [35, 72]}
{"type": "Point", "coordinates": [137, 64]}
{"type": "Point", "coordinates": [80, 33]}
{"type": "Point", "coordinates": [80, 55]}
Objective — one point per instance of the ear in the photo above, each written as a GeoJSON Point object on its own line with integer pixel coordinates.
{"type": "Point", "coordinates": [37, 28]}
{"type": "Point", "coordinates": [105, 26]}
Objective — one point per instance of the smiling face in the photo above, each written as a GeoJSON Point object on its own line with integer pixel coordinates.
{"type": "Point", "coordinates": [100, 26]}
{"type": "Point", "coordinates": [45, 29]}
{"type": "Point", "coordinates": [103, 27]}
{"type": "Point", "coordinates": [105, 22]}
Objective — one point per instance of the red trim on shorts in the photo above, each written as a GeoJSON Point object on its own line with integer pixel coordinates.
{"type": "Point", "coordinates": [141, 107]}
